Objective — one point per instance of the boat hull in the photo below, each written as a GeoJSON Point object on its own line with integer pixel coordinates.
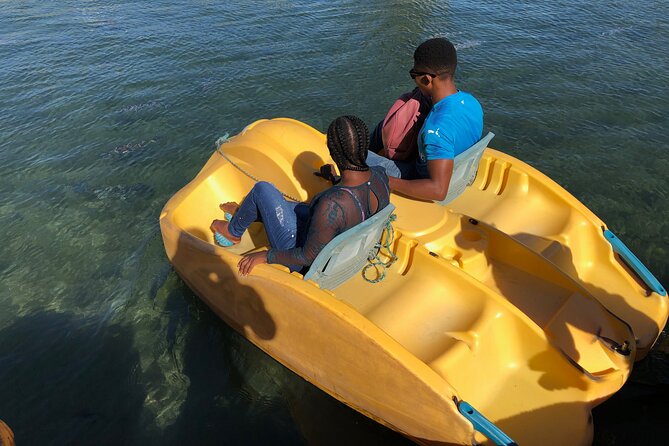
{"type": "Point", "coordinates": [505, 313]}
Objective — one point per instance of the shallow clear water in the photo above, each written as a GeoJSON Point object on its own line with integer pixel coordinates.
{"type": "Point", "coordinates": [108, 108]}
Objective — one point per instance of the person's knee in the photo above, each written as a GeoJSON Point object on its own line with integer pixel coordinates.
{"type": "Point", "coordinates": [263, 187]}
{"type": "Point", "coordinates": [374, 159]}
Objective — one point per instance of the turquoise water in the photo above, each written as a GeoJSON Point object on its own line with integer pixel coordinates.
{"type": "Point", "coordinates": [108, 108]}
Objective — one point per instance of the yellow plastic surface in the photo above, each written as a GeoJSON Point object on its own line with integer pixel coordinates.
{"type": "Point", "coordinates": [510, 299]}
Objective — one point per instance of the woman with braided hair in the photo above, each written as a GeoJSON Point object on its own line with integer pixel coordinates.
{"type": "Point", "coordinates": [297, 232]}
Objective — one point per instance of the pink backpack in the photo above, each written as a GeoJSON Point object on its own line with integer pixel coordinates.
{"type": "Point", "coordinates": [402, 124]}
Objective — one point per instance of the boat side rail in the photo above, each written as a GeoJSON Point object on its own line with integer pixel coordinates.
{"type": "Point", "coordinates": [484, 425]}
{"type": "Point", "coordinates": [634, 263]}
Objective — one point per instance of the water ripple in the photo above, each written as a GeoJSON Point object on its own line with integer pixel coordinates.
{"type": "Point", "coordinates": [108, 108]}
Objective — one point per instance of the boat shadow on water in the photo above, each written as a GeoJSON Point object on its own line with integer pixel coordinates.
{"type": "Point", "coordinates": [220, 402]}
{"type": "Point", "coordinates": [69, 380]}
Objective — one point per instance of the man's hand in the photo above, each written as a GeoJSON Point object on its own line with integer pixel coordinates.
{"type": "Point", "coordinates": [249, 261]}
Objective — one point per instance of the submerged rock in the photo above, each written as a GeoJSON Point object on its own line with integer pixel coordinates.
{"type": "Point", "coordinates": [131, 147]}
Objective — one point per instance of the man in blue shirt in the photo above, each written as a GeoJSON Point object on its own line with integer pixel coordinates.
{"type": "Point", "coordinates": [453, 125]}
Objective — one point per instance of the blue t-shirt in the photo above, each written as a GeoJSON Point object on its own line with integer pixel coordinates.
{"type": "Point", "coordinates": [453, 125]}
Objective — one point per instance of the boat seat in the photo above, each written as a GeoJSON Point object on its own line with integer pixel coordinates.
{"type": "Point", "coordinates": [465, 166]}
{"type": "Point", "coordinates": [347, 253]}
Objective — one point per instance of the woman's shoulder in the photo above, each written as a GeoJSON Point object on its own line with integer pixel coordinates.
{"type": "Point", "coordinates": [333, 193]}
{"type": "Point", "coordinates": [380, 172]}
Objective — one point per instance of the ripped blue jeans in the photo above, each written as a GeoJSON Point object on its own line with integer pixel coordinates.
{"type": "Point", "coordinates": [285, 221]}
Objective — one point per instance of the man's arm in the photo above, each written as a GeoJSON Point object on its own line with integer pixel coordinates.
{"type": "Point", "coordinates": [433, 188]}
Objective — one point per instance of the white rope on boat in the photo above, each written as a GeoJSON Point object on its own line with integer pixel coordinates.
{"type": "Point", "coordinates": [219, 143]}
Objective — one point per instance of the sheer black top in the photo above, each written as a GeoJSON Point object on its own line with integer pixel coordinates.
{"type": "Point", "coordinates": [334, 211]}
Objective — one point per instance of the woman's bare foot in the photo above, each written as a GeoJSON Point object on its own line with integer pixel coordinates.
{"type": "Point", "coordinates": [221, 226]}
{"type": "Point", "coordinates": [229, 207]}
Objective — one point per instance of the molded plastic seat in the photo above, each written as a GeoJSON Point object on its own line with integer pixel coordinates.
{"type": "Point", "coordinates": [347, 253]}
{"type": "Point", "coordinates": [465, 166]}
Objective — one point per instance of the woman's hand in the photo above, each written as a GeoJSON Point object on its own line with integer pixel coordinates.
{"type": "Point", "coordinates": [248, 261]}
{"type": "Point", "coordinates": [328, 172]}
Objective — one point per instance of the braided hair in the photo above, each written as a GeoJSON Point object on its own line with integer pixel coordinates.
{"type": "Point", "coordinates": [348, 141]}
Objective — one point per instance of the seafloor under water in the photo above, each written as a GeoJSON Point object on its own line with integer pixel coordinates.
{"type": "Point", "coordinates": [109, 107]}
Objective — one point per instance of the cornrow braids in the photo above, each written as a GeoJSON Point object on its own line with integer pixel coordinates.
{"type": "Point", "coordinates": [348, 141]}
{"type": "Point", "coordinates": [334, 139]}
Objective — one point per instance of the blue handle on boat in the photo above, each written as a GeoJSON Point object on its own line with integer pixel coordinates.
{"type": "Point", "coordinates": [633, 262]}
{"type": "Point", "coordinates": [484, 425]}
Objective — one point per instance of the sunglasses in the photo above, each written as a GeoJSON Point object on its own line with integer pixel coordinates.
{"type": "Point", "coordinates": [415, 74]}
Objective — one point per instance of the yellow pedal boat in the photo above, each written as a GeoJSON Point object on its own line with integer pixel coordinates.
{"type": "Point", "coordinates": [510, 298]}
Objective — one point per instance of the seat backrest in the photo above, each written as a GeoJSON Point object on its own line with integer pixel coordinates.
{"type": "Point", "coordinates": [465, 166]}
{"type": "Point", "coordinates": [347, 253]}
